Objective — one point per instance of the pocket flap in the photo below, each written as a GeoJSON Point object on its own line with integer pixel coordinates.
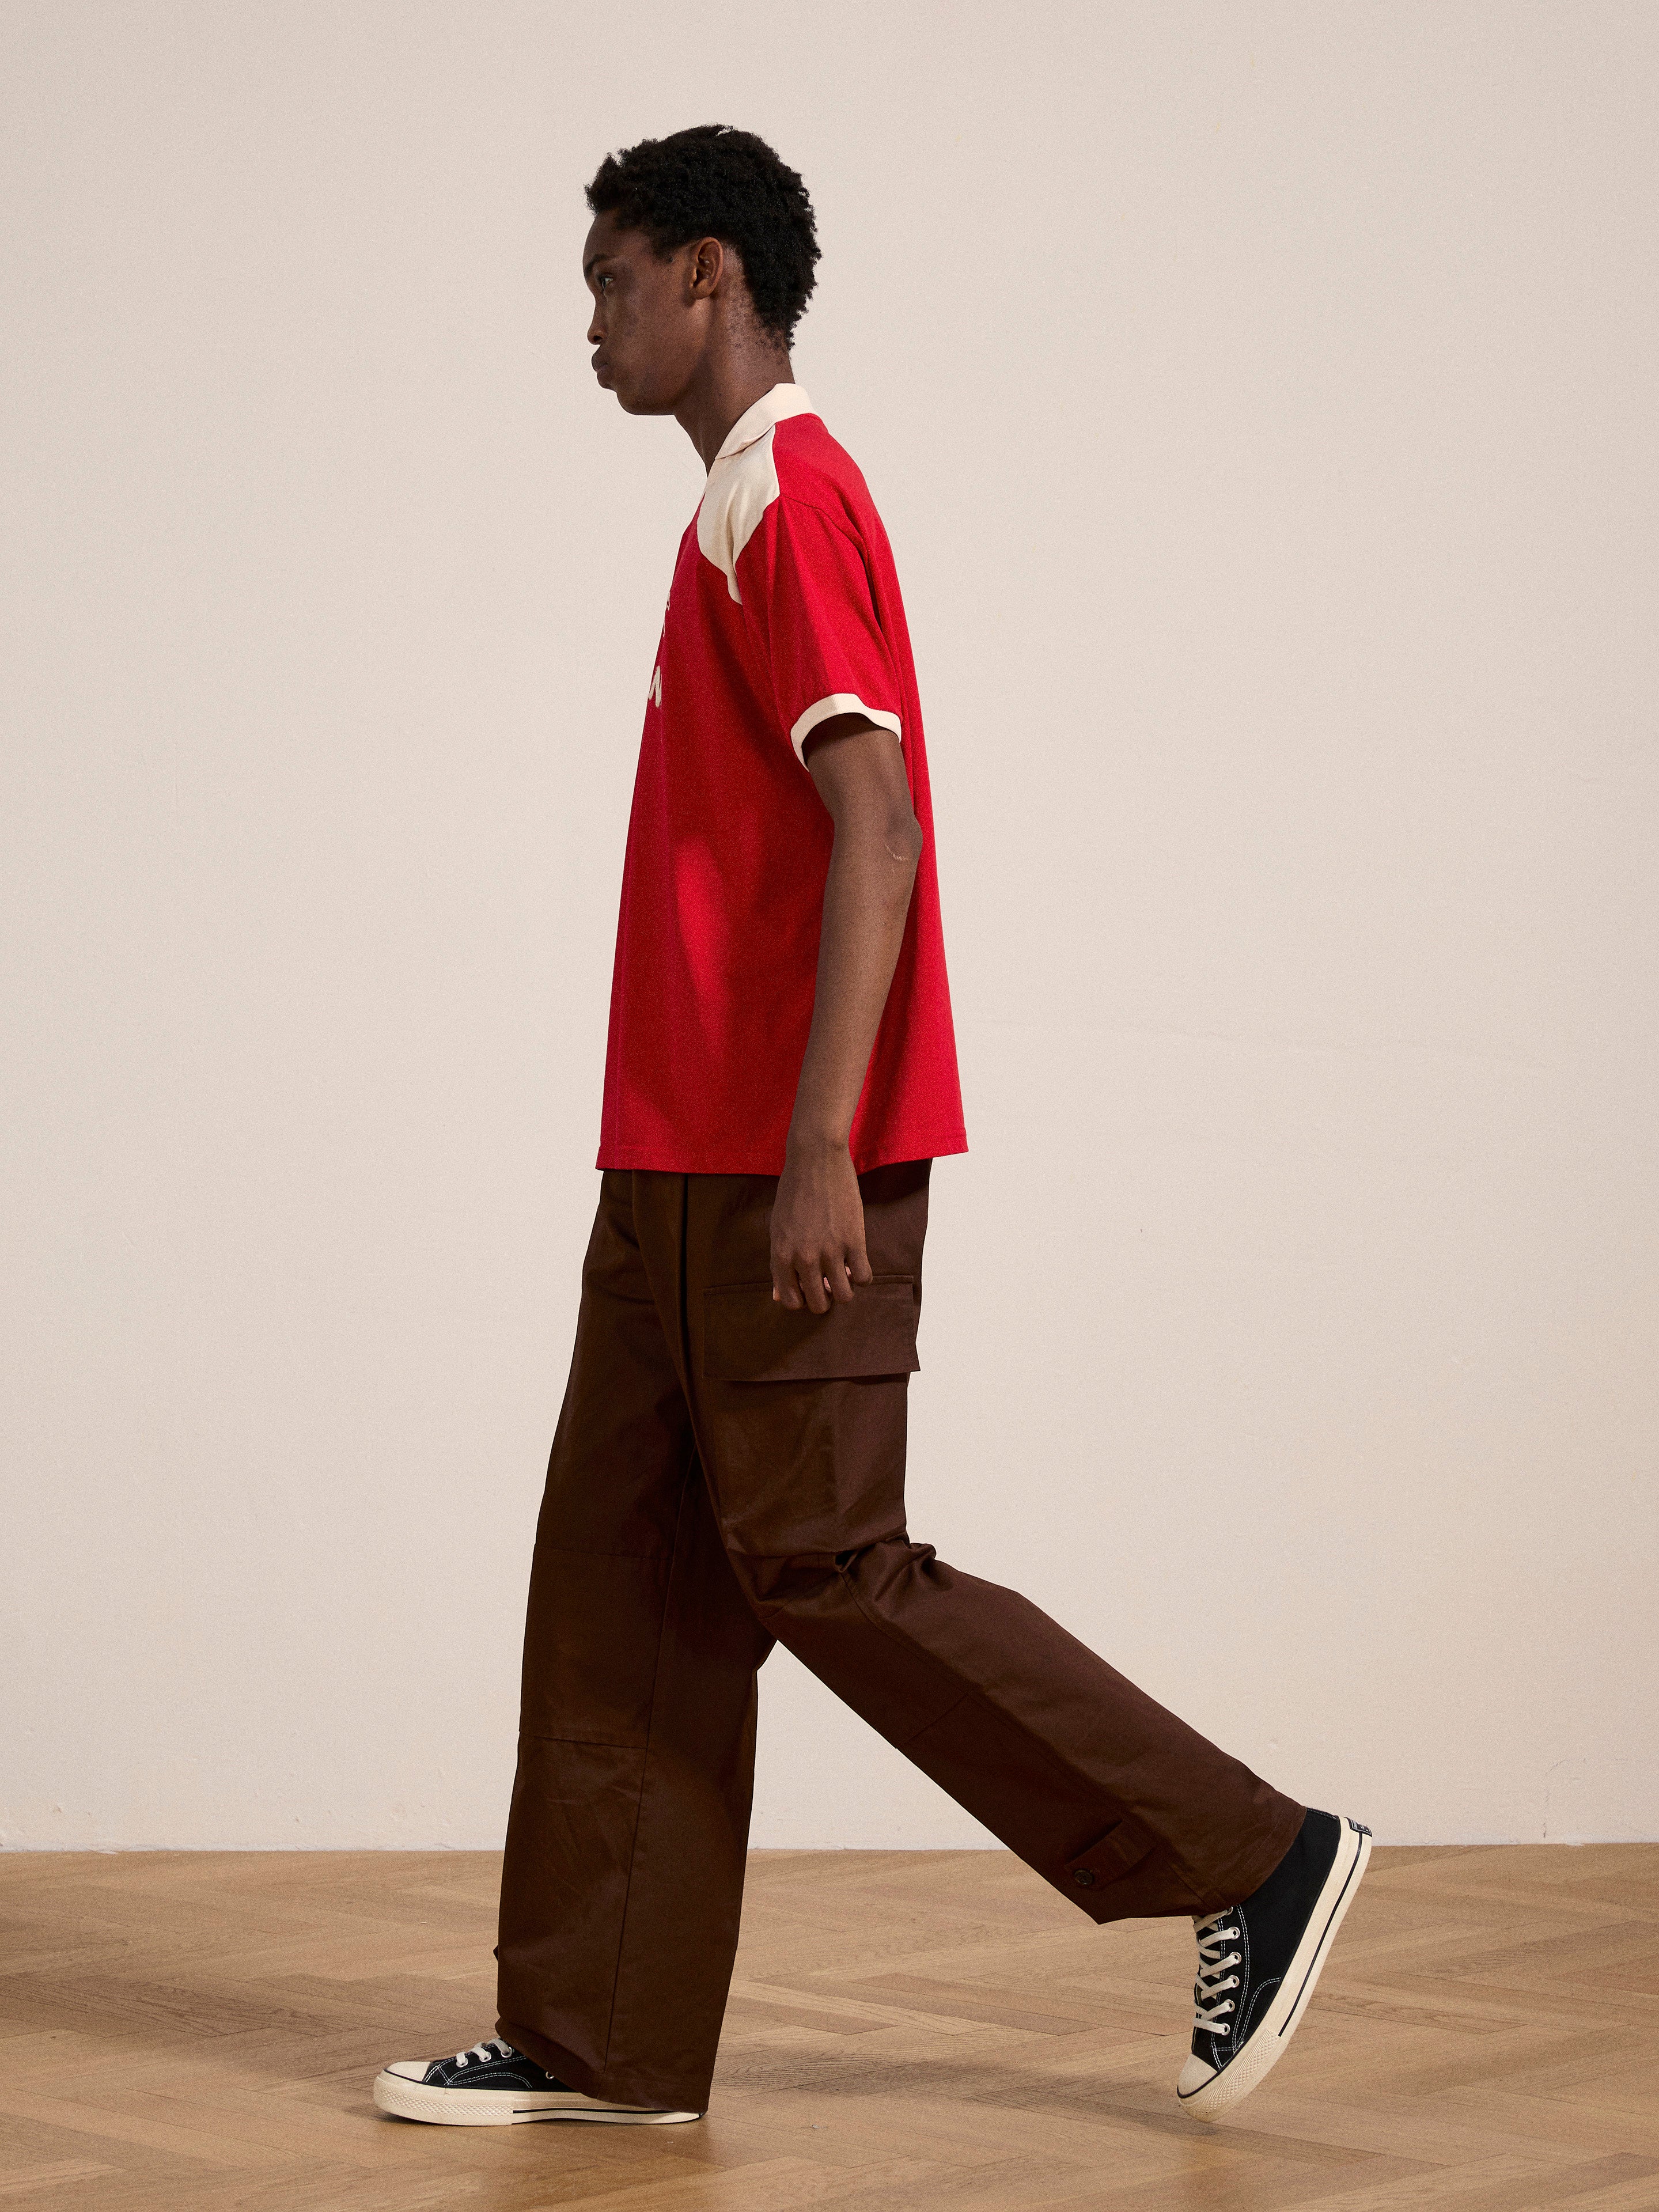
{"type": "Point", "coordinates": [748, 1336]}
{"type": "Point", "coordinates": [1122, 1846]}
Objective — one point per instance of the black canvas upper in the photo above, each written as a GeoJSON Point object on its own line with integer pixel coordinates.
{"type": "Point", "coordinates": [1271, 1924]}
{"type": "Point", "coordinates": [504, 2068]}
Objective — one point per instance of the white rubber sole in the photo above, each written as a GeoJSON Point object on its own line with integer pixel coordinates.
{"type": "Point", "coordinates": [1284, 2015]}
{"type": "Point", "coordinates": [505, 2108]}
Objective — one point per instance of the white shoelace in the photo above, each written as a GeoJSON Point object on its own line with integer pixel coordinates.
{"type": "Point", "coordinates": [483, 2052]}
{"type": "Point", "coordinates": [1208, 2005]}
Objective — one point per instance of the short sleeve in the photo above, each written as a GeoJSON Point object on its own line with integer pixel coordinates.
{"type": "Point", "coordinates": [810, 612]}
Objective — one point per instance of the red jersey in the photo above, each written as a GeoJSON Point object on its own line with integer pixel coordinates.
{"type": "Point", "coordinates": [784, 611]}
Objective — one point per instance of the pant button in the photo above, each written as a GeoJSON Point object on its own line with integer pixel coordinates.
{"type": "Point", "coordinates": [1084, 1877]}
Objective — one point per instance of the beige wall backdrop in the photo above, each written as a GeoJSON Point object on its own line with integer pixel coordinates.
{"type": "Point", "coordinates": [1261, 398]}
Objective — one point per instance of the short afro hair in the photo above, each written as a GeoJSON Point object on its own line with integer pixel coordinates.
{"type": "Point", "coordinates": [714, 182]}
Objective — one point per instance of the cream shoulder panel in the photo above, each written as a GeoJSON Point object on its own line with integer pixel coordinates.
{"type": "Point", "coordinates": [741, 488]}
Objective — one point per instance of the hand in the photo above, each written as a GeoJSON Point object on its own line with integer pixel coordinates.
{"type": "Point", "coordinates": [817, 1230]}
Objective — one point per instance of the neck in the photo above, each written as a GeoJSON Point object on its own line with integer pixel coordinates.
{"type": "Point", "coordinates": [722, 390]}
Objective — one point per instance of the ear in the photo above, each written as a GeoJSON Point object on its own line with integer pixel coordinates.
{"type": "Point", "coordinates": [705, 268]}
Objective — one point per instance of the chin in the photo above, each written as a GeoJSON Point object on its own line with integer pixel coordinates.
{"type": "Point", "coordinates": [640, 400]}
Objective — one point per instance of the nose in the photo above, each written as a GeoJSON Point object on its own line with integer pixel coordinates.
{"type": "Point", "coordinates": [595, 335]}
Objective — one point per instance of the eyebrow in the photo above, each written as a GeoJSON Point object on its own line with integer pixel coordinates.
{"type": "Point", "coordinates": [591, 265]}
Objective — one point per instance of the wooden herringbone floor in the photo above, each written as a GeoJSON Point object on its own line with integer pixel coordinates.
{"type": "Point", "coordinates": [187, 2031]}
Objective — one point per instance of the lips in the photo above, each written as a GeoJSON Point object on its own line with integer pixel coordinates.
{"type": "Point", "coordinates": [602, 370]}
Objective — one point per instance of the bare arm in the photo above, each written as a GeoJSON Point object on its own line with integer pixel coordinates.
{"type": "Point", "coordinates": [817, 1216]}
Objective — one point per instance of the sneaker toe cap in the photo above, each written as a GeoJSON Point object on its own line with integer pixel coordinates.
{"type": "Point", "coordinates": [407, 2069]}
{"type": "Point", "coordinates": [1194, 2075]}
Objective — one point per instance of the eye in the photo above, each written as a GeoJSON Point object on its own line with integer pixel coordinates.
{"type": "Point", "coordinates": [604, 281]}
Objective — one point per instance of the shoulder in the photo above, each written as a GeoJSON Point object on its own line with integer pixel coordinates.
{"type": "Point", "coordinates": [795, 472]}
{"type": "Point", "coordinates": [815, 470]}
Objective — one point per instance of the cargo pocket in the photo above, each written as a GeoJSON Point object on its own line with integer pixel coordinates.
{"type": "Point", "coordinates": [803, 1416]}
{"type": "Point", "coordinates": [750, 1336]}
{"type": "Point", "coordinates": [1123, 1845]}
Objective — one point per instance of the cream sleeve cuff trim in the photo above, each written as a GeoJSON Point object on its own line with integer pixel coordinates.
{"type": "Point", "coordinates": [841, 702]}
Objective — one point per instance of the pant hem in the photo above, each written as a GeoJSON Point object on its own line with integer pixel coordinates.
{"type": "Point", "coordinates": [1161, 1886]}
{"type": "Point", "coordinates": [1246, 1875]}
{"type": "Point", "coordinates": [616, 2085]}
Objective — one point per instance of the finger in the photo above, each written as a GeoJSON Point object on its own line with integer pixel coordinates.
{"type": "Point", "coordinates": [858, 1266]}
{"type": "Point", "coordinates": [841, 1283]}
{"type": "Point", "coordinates": [816, 1288]}
{"type": "Point", "coordinates": [783, 1287]}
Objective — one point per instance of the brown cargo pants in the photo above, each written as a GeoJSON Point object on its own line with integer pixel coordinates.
{"type": "Point", "coordinates": [725, 1474]}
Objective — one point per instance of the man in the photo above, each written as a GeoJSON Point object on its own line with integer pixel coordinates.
{"type": "Point", "coordinates": [729, 1464]}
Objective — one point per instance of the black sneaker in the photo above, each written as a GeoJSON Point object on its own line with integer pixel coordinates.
{"type": "Point", "coordinates": [1258, 1962]}
{"type": "Point", "coordinates": [493, 2085]}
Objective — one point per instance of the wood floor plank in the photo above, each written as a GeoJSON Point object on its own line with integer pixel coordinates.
{"type": "Point", "coordinates": [199, 2033]}
{"type": "Point", "coordinates": [28, 2180]}
{"type": "Point", "coordinates": [1497, 2185]}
